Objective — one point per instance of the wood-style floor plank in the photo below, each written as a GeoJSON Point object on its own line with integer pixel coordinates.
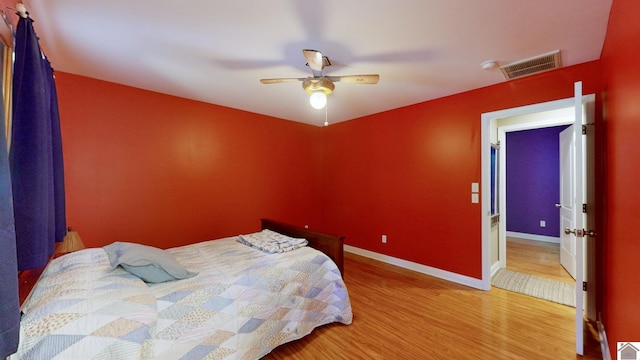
{"type": "Point", "coordinates": [536, 258]}
{"type": "Point", "coordinates": [401, 314]}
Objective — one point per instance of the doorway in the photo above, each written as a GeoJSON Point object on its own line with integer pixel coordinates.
{"type": "Point", "coordinates": [582, 107]}
{"type": "Point", "coordinates": [495, 126]}
{"type": "Point", "coordinates": [532, 179]}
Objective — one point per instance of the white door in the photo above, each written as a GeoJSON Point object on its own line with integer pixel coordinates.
{"type": "Point", "coordinates": [573, 235]}
{"type": "Point", "coordinates": [580, 219]}
{"type": "Point", "coordinates": [567, 197]}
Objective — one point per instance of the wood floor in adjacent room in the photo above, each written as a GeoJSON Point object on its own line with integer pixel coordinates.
{"type": "Point", "coordinates": [536, 258]}
{"type": "Point", "coordinates": [401, 314]}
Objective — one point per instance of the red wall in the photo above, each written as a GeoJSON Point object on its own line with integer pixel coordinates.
{"type": "Point", "coordinates": [621, 248]}
{"type": "Point", "coordinates": [146, 167]}
{"type": "Point", "coordinates": [407, 173]}
{"type": "Point", "coordinates": [156, 169]}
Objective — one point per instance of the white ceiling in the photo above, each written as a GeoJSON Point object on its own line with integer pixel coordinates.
{"type": "Point", "coordinates": [216, 51]}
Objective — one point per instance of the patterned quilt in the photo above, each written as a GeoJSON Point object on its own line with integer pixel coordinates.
{"type": "Point", "coordinates": [241, 305]}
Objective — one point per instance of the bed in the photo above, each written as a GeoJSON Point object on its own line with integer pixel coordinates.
{"type": "Point", "coordinates": [237, 302]}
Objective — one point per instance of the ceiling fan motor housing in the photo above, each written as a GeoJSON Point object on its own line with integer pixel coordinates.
{"type": "Point", "coordinates": [310, 85]}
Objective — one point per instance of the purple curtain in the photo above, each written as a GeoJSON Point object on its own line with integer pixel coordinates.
{"type": "Point", "coordinates": [9, 302]}
{"type": "Point", "coordinates": [35, 156]}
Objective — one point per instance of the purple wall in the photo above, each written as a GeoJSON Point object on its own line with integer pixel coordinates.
{"type": "Point", "coordinates": [533, 181]}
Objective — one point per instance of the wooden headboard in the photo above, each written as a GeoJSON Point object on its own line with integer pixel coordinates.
{"type": "Point", "coordinates": [329, 244]}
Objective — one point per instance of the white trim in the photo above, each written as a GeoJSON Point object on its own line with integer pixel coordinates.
{"type": "Point", "coordinates": [423, 269]}
{"type": "Point", "coordinates": [525, 236]}
{"type": "Point", "coordinates": [529, 109]}
{"type": "Point", "coordinates": [485, 203]}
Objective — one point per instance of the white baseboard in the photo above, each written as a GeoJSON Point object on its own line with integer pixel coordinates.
{"type": "Point", "coordinates": [551, 239]}
{"type": "Point", "coordinates": [423, 269]}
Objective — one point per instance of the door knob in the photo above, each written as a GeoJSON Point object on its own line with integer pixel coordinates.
{"type": "Point", "coordinates": [558, 206]}
{"type": "Point", "coordinates": [580, 232]}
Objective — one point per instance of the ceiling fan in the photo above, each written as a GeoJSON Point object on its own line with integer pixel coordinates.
{"type": "Point", "coordinates": [319, 85]}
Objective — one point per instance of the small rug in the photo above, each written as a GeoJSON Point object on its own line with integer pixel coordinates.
{"type": "Point", "coordinates": [546, 289]}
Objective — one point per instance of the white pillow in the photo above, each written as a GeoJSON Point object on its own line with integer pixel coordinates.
{"type": "Point", "coordinates": [149, 263]}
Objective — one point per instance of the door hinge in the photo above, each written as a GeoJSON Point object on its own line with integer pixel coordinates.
{"type": "Point", "coordinates": [584, 208]}
{"type": "Point", "coordinates": [584, 129]}
{"type": "Point", "coordinates": [584, 286]}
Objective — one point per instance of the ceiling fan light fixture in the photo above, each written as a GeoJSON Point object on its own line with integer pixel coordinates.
{"type": "Point", "coordinates": [311, 85]}
{"type": "Point", "coordinates": [319, 86]}
{"type": "Point", "coordinates": [318, 99]}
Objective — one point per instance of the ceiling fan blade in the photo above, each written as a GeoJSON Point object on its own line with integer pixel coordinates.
{"type": "Point", "coordinates": [280, 80]}
{"type": "Point", "coordinates": [314, 59]}
{"type": "Point", "coordinates": [356, 79]}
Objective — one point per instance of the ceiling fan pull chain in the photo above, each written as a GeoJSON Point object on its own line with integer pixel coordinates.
{"type": "Point", "coordinates": [326, 122]}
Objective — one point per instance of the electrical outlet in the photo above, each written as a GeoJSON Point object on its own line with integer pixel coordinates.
{"type": "Point", "coordinates": [384, 239]}
{"type": "Point", "coordinates": [543, 223]}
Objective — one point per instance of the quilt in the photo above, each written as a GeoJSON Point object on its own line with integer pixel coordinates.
{"type": "Point", "coordinates": [242, 304]}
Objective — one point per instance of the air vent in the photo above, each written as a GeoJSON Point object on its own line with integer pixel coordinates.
{"type": "Point", "coordinates": [533, 65]}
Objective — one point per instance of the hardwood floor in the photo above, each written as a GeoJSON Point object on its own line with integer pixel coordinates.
{"type": "Point", "coordinates": [401, 314]}
{"type": "Point", "coordinates": [536, 258]}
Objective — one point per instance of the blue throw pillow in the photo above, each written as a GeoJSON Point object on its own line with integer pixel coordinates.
{"type": "Point", "coordinates": [149, 263]}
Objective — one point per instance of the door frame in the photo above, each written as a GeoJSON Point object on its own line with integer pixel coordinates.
{"type": "Point", "coordinates": [485, 213]}
{"type": "Point", "coordinates": [578, 103]}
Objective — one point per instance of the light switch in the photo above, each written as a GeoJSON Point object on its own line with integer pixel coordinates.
{"type": "Point", "coordinates": [475, 198]}
{"type": "Point", "coordinates": [475, 187]}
